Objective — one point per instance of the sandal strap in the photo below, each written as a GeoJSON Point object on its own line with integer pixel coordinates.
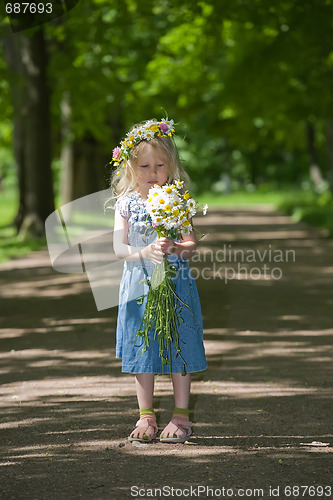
{"type": "Point", "coordinates": [147, 411]}
{"type": "Point", "coordinates": [145, 422]}
{"type": "Point", "coordinates": [182, 423]}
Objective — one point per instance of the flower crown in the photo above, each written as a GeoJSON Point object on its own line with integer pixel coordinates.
{"type": "Point", "coordinates": [144, 132]}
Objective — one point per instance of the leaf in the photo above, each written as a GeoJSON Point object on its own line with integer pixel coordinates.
{"type": "Point", "coordinates": [203, 237]}
{"type": "Point", "coordinates": [158, 275]}
{"type": "Point", "coordinates": [144, 280]}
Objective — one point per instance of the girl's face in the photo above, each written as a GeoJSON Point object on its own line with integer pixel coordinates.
{"type": "Point", "coordinates": [150, 169]}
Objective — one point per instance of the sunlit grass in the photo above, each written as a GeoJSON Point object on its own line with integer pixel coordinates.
{"type": "Point", "coordinates": [312, 208]}
{"type": "Point", "coordinates": [303, 205]}
{"type": "Point", "coordinates": [8, 205]}
{"type": "Point", "coordinates": [12, 245]}
{"type": "Point", "coordinates": [241, 198]}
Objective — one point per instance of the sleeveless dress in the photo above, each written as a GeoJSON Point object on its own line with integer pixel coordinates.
{"type": "Point", "coordinates": [140, 234]}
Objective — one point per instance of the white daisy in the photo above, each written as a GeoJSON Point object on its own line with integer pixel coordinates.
{"type": "Point", "coordinates": [158, 220]}
{"type": "Point", "coordinates": [186, 230]}
{"type": "Point", "coordinates": [148, 134]}
{"type": "Point", "coordinates": [191, 205]}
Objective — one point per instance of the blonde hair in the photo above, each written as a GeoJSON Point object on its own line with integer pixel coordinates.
{"type": "Point", "coordinates": [126, 182]}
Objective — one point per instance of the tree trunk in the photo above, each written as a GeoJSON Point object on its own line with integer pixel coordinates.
{"type": "Point", "coordinates": [27, 60]}
{"type": "Point", "coordinates": [315, 172]}
{"type": "Point", "coordinates": [89, 165]}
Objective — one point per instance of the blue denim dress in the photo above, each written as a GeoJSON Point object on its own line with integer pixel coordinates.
{"type": "Point", "coordinates": [140, 234]}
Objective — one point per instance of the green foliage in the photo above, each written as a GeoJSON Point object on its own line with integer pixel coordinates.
{"type": "Point", "coordinates": [6, 127]}
{"type": "Point", "coordinates": [5, 101]}
{"type": "Point", "coordinates": [6, 156]}
{"type": "Point", "coordinates": [104, 49]}
{"type": "Point", "coordinates": [242, 78]}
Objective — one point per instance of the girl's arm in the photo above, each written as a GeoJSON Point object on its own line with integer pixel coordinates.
{"type": "Point", "coordinates": [124, 251]}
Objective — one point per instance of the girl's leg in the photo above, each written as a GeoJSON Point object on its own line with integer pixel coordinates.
{"type": "Point", "coordinates": [181, 389]}
{"type": "Point", "coordinates": [144, 389]}
{"type": "Point", "coordinates": [179, 427]}
{"type": "Point", "coordinates": [146, 428]}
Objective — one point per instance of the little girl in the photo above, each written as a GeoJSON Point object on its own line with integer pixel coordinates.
{"type": "Point", "coordinates": [148, 156]}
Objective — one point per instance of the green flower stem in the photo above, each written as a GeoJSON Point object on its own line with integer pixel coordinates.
{"type": "Point", "coordinates": [162, 314]}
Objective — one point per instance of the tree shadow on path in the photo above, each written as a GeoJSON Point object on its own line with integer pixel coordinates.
{"type": "Point", "coordinates": [261, 411]}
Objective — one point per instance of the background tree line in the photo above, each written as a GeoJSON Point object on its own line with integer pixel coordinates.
{"type": "Point", "coordinates": [249, 83]}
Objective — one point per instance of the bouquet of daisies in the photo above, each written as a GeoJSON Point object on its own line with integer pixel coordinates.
{"type": "Point", "coordinates": [171, 213]}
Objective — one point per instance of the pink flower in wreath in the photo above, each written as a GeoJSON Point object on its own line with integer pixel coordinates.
{"type": "Point", "coordinates": [116, 153]}
{"type": "Point", "coordinates": [164, 127]}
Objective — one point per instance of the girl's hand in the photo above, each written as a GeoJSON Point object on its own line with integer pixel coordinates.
{"type": "Point", "coordinates": [167, 246]}
{"type": "Point", "coordinates": [153, 252]}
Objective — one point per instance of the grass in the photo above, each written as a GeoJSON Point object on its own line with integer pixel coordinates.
{"type": "Point", "coordinates": [312, 208]}
{"type": "Point", "coordinates": [303, 205]}
{"type": "Point", "coordinates": [240, 198]}
{"type": "Point", "coordinates": [8, 205]}
{"type": "Point", "coordinates": [306, 206]}
{"type": "Point", "coordinates": [12, 245]}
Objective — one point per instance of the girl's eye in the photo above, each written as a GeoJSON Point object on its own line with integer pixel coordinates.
{"type": "Point", "coordinates": [159, 165]}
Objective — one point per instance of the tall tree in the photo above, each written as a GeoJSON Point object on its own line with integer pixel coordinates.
{"type": "Point", "coordinates": [27, 60]}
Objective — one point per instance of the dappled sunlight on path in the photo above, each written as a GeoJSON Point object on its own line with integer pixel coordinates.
{"type": "Point", "coordinates": [262, 411]}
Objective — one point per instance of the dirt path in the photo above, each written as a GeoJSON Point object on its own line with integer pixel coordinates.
{"type": "Point", "coordinates": [262, 410]}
